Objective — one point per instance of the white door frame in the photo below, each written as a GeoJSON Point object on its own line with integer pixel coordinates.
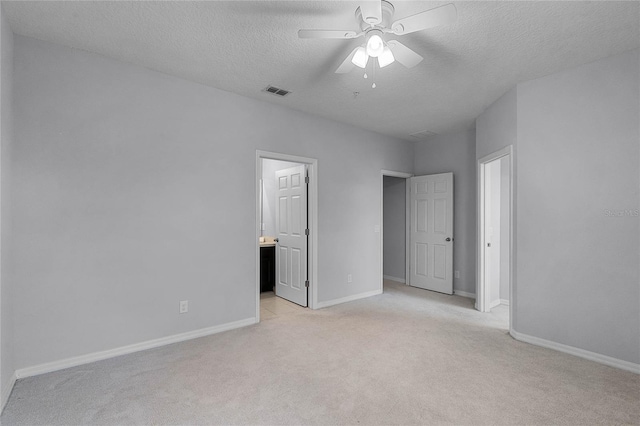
{"type": "Point", "coordinates": [312, 211]}
{"type": "Point", "coordinates": [404, 176]}
{"type": "Point", "coordinates": [481, 292]}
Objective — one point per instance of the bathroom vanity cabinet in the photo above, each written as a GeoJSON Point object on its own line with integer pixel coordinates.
{"type": "Point", "coordinates": [267, 268]}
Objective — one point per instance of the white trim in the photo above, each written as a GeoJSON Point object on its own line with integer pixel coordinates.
{"type": "Point", "coordinates": [464, 294]}
{"type": "Point", "coordinates": [504, 302]}
{"type": "Point", "coordinates": [348, 298]}
{"type": "Point", "coordinates": [312, 211]}
{"type": "Point", "coordinates": [7, 393]}
{"type": "Point", "coordinates": [495, 303]}
{"type": "Point", "coordinates": [123, 350]}
{"type": "Point", "coordinates": [402, 175]}
{"type": "Point", "coordinates": [396, 279]}
{"type": "Point", "coordinates": [391, 173]}
{"type": "Point", "coordinates": [407, 233]}
{"type": "Point", "coordinates": [582, 353]}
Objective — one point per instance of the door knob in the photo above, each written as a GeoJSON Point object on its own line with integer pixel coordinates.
{"type": "Point", "coordinates": [448, 239]}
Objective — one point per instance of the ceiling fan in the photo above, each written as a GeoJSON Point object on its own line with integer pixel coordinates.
{"type": "Point", "coordinates": [375, 21]}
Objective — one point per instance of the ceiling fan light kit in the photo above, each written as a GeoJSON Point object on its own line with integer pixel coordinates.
{"type": "Point", "coordinates": [375, 21]}
{"type": "Point", "coordinates": [374, 48]}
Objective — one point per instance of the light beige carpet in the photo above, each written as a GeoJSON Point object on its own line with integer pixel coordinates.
{"type": "Point", "coordinates": [408, 356]}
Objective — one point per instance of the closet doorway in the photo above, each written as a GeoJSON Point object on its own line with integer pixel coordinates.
{"type": "Point", "coordinates": [495, 232]}
{"type": "Point", "coordinates": [394, 236]}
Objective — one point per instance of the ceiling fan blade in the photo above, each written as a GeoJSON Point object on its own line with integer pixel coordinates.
{"type": "Point", "coordinates": [347, 65]}
{"type": "Point", "coordinates": [327, 34]}
{"type": "Point", "coordinates": [403, 54]}
{"type": "Point", "coordinates": [443, 15]}
{"type": "Point", "coordinates": [371, 11]}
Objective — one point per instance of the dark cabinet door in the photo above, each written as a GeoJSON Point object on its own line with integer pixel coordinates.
{"type": "Point", "coordinates": [267, 268]}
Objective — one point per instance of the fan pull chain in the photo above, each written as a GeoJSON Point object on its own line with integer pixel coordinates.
{"type": "Point", "coordinates": [373, 71]}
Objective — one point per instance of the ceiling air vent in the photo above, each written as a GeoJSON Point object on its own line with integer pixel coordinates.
{"type": "Point", "coordinates": [423, 135]}
{"type": "Point", "coordinates": [276, 91]}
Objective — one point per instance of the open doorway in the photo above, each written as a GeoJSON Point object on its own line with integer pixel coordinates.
{"type": "Point", "coordinates": [394, 260]}
{"type": "Point", "coordinates": [495, 220]}
{"type": "Point", "coordinates": [286, 217]}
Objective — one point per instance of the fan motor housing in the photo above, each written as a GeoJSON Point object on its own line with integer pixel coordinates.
{"type": "Point", "coordinates": [387, 14]}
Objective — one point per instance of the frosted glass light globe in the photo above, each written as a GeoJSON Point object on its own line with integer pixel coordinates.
{"type": "Point", "coordinates": [360, 58]}
{"type": "Point", "coordinates": [375, 46]}
{"type": "Point", "coordinates": [385, 58]}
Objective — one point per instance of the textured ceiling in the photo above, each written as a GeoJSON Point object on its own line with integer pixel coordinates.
{"type": "Point", "coordinates": [243, 46]}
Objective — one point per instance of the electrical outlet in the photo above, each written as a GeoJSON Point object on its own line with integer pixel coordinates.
{"type": "Point", "coordinates": [184, 306]}
{"type": "Point", "coordinates": [349, 278]}
{"type": "Point", "coordinates": [456, 274]}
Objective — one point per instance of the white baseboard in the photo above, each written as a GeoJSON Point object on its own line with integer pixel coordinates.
{"type": "Point", "coordinates": [328, 303]}
{"type": "Point", "coordinates": [123, 350]}
{"type": "Point", "coordinates": [464, 294]}
{"type": "Point", "coordinates": [504, 302]}
{"type": "Point", "coordinates": [6, 391]}
{"type": "Point", "coordinates": [582, 353]}
{"type": "Point", "coordinates": [396, 279]}
{"type": "Point", "coordinates": [495, 303]}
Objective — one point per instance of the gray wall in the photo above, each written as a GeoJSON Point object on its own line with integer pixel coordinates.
{"type": "Point", "coordinates": [576, 163]}
{"type": "Point", "coordinates": [6, 135]}
{"type": "Point", "coordinates": [135, 190]}
{"type": "Point", "coordinates": [456, 153]}
{"type": "Point", "coordinates": [394, 227]}
{"type": "Point", "coordinates": [269, 169]}
{"type": "Point", "coordinates": [578, 166]}
{"type": "Point", "coordinates": [496, 127]}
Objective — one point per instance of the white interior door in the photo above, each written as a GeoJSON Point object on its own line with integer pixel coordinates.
{"type": "Point", "coordinates": [291, 230]}
{"type": "Point", "coordinates": [492, 232]}
{"type": "Point", "coordinates": [431, 232]}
